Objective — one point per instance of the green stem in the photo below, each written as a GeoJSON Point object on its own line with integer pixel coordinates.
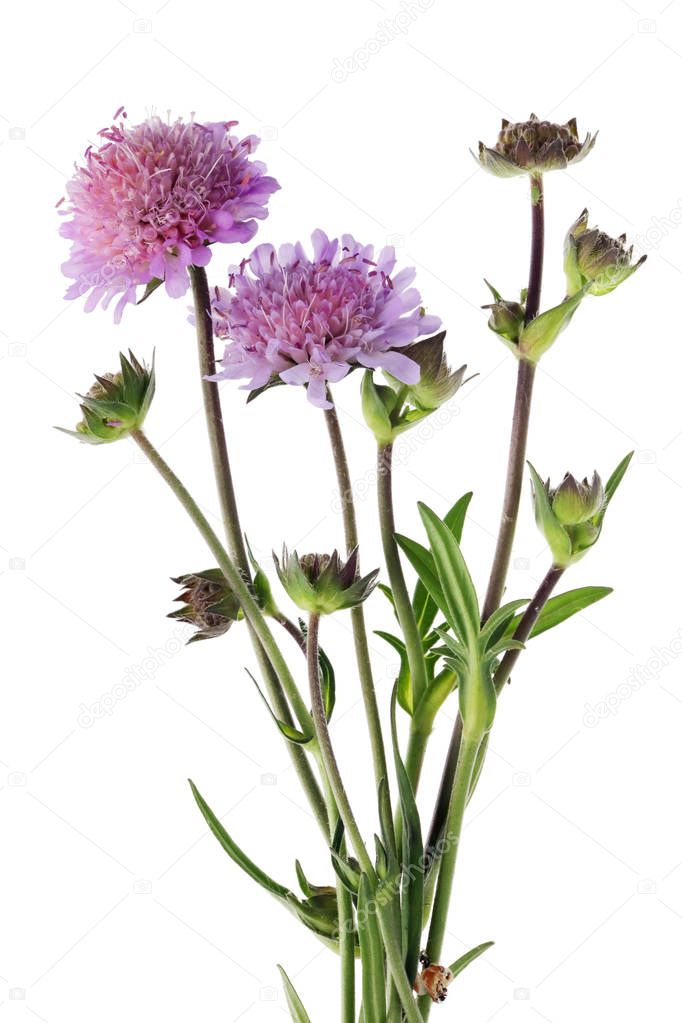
{"type": "Point", "coordinates": [357, 613]}
{"type": "Point", "coordinates": [249, 606]}
{"type": "Point", "coordinates": [327, 754]}
{"type": "Point", "coordinates": [394, 958]}
{"type": "Point", "coordinates": [441, 904]}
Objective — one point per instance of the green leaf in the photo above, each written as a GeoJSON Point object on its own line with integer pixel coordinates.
{"type": "Point", "coordinates": [422, 562]}
{"type": "Point", "coordinates": [565, 605]}
{"type": "Point", "coordinates": [298, 1013]}
{"type": "Point", "coordinates": [404, 681]}
{"type": "Point", "coordinates": [288, 731]}
{"type": "Point", "coordinates": [424, 607]}
{"type": "Point", "coordinates": [496, 626]}
{"type": "Point", "coordinates": [234, 852]}
{"type": "Point", "coordinates": [616, 477]}
{"type": "Point", "coordinates": [457, 586]}
{"type": "Point", "coordinates": [468, 957]}
{"type": "Point", "coordinates": [372, 955]}
{"type": "Point", "coordinates": [413, 856]}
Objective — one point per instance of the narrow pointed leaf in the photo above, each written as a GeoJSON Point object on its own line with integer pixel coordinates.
{"type": "Point", "coordinates": [458, 588]}
{"type": "Point", "coordinates": [298, 1013]}
{"type": "Point", "coordinates": [234, 852]}
{"type": "Point", "coordinates": [404, 681]}
{"type": "Point", "coordinates": [616, 477]}
{"type": "Point", "coordinates": [424, 607]}
{"type": "Point", "coordinates": [469, 957]}
{"type": "Point", "coordinates": [565, 605]}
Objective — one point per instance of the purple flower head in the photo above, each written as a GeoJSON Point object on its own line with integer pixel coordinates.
{"type": "Point", "coordinates": [150, 200]}
{"type": "Point", "coordinates": [309, 321]}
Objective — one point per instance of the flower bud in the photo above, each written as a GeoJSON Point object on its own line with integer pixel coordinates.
{"type": "Point", "coordinates": [323, 583]}
{"type": "Point", "coordinates": [506, 318]}
{"type": "Point", "coordinates": [208, 603]}
{"type": "Point", "coordinates": [574, 502]}
{"type": "Point", "coordinates": [571, 515]}
{"type": "Point", "coordinates": [389, 411]}
{"type": "Point", "coordinates": [437, 383]}
{"type": "Point", "coordinates": [595, 261]}
{"type": "Point", "coordinates": [116, 403]}
{"type": "Point", "coordinates": [534, 146]}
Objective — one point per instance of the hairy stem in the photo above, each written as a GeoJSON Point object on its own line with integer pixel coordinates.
{"type": "Point", "coordinates": [521, 417]}
{"type": "Point", "coordinates": [251, 611]}
{"type": "Point", "coordinates": [357, 613]}
{"type": "Point", "coordinates": [327, 754]}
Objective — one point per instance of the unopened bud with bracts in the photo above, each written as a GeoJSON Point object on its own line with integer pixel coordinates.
{"type": "Point", "coordinates": [437, 383]}
{"type": "Point", "coordinates": [116, 404]}
{"type": "Point", "coordinates": [506, 317]}
{"type": "Point", "coordinates": [595, 261]}
{"type": "Point", "coordinates": [208, 603]}
{"type": "Point", "coordinates": [323, 583]}
{"type": "Point", "coordinates": [534, 146]}
{"type": "Point", "coordinates": [389, 411]}
{"type": "Point", "coordinates": [571, 515]}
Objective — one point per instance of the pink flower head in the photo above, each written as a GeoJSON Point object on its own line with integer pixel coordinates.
{"type": "Point", "coordinates": [309, 321]}
{"type": "Point", "coordinates": [147, 203]}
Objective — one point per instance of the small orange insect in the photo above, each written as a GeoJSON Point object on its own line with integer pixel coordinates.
{"type": "Point", "coordinates": [433, 980]}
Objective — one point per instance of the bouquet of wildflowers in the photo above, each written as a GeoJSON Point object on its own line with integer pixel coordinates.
{"type": "Point", "coordinates": [143, 212]}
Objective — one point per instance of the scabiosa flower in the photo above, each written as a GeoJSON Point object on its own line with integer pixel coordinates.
{"type": "Point", "coordinates": [147, 203]}
{"type": "Point", "coordinates": [308, 321]}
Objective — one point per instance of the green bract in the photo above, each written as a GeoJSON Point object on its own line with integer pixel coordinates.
{"type": "Point", "coordinates": [116, 404]}
{"type": "Point", "coordinates": [322, 583]}
{"type": "Point", "coordinates": [390, 410]}
{"type": "Point", "coordinates": [595, 262]}
{"type": "Point", "coordinates": [571, 515]}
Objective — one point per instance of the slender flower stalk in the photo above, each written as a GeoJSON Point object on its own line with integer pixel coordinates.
{"type": "Point", "coordinates": [327, 750]}
{"type": "Point", "coordinates": [525, 626]}
{"type": "Point", "coordinates": [230, 513]}
{"type": "Point", "coordinates": [251, 611]}
{"type": "Point", "coordinates": [521, 417]}
{"type": "Point", "coordinates": [515, 470]}
{"type": "Point", "coordinates": [357, 613]}
{"type": "Point", "coordinates": [466, 763]}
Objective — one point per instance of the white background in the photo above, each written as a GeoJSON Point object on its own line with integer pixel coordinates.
{"type": "Point", "coordinates": [115, 903]}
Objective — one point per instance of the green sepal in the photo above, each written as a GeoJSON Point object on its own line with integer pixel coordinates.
{"type": "Point", "coordinates": [150, 288]}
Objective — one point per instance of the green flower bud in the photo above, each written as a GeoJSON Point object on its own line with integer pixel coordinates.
{"type": "Point", "coordinates": [595, 261]}
{"type": "Point", "coordinates": [534, 146]}
{"type": "Point", "coordinates": [571, 515]}
{"type": "Point", "coordinates": [574, 502]}
{"type": "Point", "coordinates": [437, 383]}
{"type": "Point", "coordinates": [389, 411]}
{"type": "Point", "coordinates": [506, 318]}
{"type": "Point", "coordinates": [322, 583]}
{"type": "Point", "coordinates": [116, 403]}
{"type": "Point", "coordinates": [208, 603]}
